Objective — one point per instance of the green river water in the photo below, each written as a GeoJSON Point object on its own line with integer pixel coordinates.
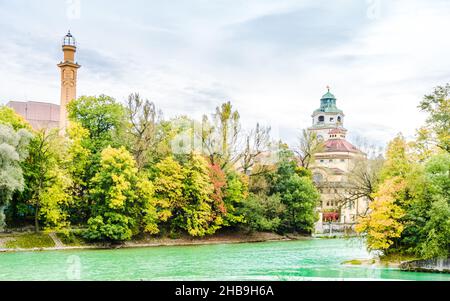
{"type": "Point", "coordinates": [315, 259]}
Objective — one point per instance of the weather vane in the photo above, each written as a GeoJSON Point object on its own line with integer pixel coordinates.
{"type": "Point", "coordinates": [328, 88]}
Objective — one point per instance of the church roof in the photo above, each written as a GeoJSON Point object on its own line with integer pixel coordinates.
{"type": "Point", "coordinates": [340, 145]}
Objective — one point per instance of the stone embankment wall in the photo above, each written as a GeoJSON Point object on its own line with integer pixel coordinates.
{"type": "Point", "coordinates": [431, 265]}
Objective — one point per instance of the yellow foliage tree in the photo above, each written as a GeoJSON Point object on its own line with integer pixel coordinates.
{"type": "Point", "coordinates": [383, 224]}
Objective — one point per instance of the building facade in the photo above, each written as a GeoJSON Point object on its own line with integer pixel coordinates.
{"type": "Point", "coordinates": [44, 115]}
{"type": "Point", "coordinates": [332, 166]}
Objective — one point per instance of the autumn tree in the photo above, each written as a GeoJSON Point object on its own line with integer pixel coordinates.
{"type": "Point", "coordinates": [10, 118]}
{"type": "Point", "coordinates": [362, 181]}
{"type": "Point", "coordinates": [220, 136]}
{"type": "Point", "coordinates": [168, 182]}
{"type": "Point", "coordinates": [383, 226]}
{"type": "Point", "coordinates": [200, 215]}
{"type": "Point", "coordinates": [123, 201]}
{"type": "Point", "coordinates": [257, 142]}
{"type": "Point", "coordinates": [143, 131]}
{"type": "Point", "coordinates": [309, 145]}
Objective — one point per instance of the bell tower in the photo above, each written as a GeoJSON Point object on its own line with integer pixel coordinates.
{"type": "Point", "coordinates": [327, 118]}
{"type": "Point", "coordinates": [69, 69]}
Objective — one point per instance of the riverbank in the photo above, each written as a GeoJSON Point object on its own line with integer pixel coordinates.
{"type": "Point", "coordinates": [25, 242]}
{"type": "Point", "coordinates": [404, 263]}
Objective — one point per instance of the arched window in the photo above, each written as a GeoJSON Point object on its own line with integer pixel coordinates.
{"type": "Point", "coordinates": [321, 118]}
{"type": "Point", "coordinates": [339, 119]}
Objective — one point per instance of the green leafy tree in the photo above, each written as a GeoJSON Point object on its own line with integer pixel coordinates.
{"type": "Point", "coordinates": [13, 150]}
{"type": "Point", "coordinates": [78, 163]}
{"type": "Point", "coordinates": [297, 192]}
{"type": "Point", "coordinates": [262, 212]}
{"type": "Point", "coordinates": [102, 116]}
{"type": "Point", "coordinates": [102, 121]}
{"type": "Point", "coordinates": [437, 105]}
{"type": "Point", "coordinates": [235, 194]}
{"type": "Point", "coordinates": [47, 180]}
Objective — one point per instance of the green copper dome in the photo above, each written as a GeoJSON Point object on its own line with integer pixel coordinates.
{"type": "Point", "coordinates": [328, 95]}
{"type": "Point", "coordinates": [328, 104]}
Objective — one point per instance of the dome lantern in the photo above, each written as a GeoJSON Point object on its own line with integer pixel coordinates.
{"type": "Point", "coordinates": [69, 40]}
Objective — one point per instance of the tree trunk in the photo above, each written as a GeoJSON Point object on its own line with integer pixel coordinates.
{"type": "Point", "coordinates": [36, 220]}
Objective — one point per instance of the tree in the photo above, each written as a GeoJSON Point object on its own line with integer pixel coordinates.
{"type": "Point", "coordinates": [262, 212]}
{"type": "Point", "coordinates": [428, 215]}
{"type": "Point", "coordinates": [11, 118]}
{"type": "Point", "coordinates": [142, 117]}
{"type": "Point", "coordinates": [397, 162]}
{"type": "Point", "coordinates": [122, 201]}
{"type": "Point", "coordinates": [47, 181]}
{"type": "Point", "coordinates": [200, 215]}
{"type": "Point", "coordinates": [78, 164]}
{"type": "Point", "coordinates": [220, 137]}
{"type": "Point", "coordinates": [437, 229]}
{"type": "Point", "coordinates": [257, 142]}
{"type": "Point", "coordinates": [102, 116]}
{"type": "Point", "coordinates": [308, 146]}
{"type": "Point", "coordinates": [103, 121]}
{"type": "Point", "coordinates": [235, 195]}
{"type": "Point", "coordinates": [219, 183]}
{"type": "Point", "coordinates": [168, 181]}
{"type": "Point", "coordinates": [297, 192]}
{"type": "Point", "coordinates": [13, 150]}
{"type": "Point", "coordinates": [382, 226]}
{"type": "Point", "coordinates": [362, 181]}
{"type": "Point", "coordinates": [301, 198]}
{"type": "Point", "coordinates": [437, 105]}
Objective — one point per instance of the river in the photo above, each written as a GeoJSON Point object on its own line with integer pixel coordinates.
{"type": "Point", "coordinates": [315, 259]}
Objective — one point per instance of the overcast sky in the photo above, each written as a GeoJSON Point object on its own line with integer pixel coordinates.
{"type": "Point", "coordinates": [271, 59]}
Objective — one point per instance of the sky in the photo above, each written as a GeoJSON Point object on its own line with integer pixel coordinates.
{"type": "Point", "coordinates": [271, 59]}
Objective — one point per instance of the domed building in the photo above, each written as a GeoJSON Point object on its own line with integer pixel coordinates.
{"type": "Point", "coordinates": [331, 168]}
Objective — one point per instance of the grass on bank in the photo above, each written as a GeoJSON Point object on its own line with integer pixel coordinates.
{"type": "Point", "coordinates": [72, 239]}
{"type": "Point", "coordinates": [29, 241]}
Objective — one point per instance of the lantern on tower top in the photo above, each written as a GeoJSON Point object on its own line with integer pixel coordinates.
{"type": "Point", "coordinates": [69, 40]}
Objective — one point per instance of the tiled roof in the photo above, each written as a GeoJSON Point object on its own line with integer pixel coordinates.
{"type": "Point", "coordinates": [340, 145]}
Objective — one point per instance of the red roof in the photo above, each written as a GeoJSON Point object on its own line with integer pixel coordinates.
{"type": "Point", "coordinates": [340, 145]}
